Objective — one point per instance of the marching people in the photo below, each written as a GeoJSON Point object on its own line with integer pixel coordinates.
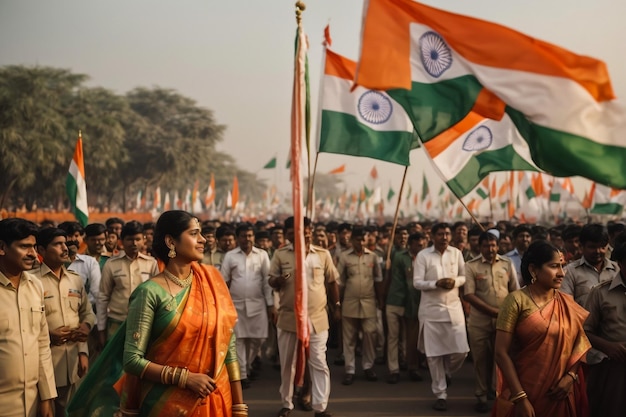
{"type": "Point", "coordinates": [606, 330]}
{"type": "Point", "coordinates": [361, 279]}
{"type": "Point", "coordinates": [68, 312]}
{"type": "Point", "coordinates": [438, 273]}
{"type": "Point", "coordinates": [401, 307]}
{"type": "Point", "coordinates": [27, 384]}
{"type": "Point", "coordinates": [489, 278]}
{"type": "Point", "coordinates": [120, 276]}
{"type": "Point", "coordinates": [322, 289]}
{"type": "Point", "coordinates": [245, 270]}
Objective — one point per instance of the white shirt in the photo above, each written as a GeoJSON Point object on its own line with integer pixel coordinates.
{"type": "Point", "coordinates": [89, 270]}
{"type": "Point", "coordinates": [437, 304]}
{"type": "Point", "coordinates": [247, 278]}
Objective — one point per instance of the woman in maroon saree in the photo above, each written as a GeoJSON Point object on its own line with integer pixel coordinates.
{"type": "Point", "coordinates": [540, 343]}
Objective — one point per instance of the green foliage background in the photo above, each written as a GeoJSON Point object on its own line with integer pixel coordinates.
{"type": "Point", "coordinates": [145, 138]}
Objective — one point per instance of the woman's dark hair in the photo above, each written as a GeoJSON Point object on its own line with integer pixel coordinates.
{"type": "Point", "coordinates": [172, 223]}
{"type": "Point", "coordinates": [538, 253]}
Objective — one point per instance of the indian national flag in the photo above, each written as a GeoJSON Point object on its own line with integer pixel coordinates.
{"type": "Point", "coordinates": [210, 193]}
{"type": "Point", "coordinates": [443, 67]}
{"type": "Point", "coordinates": [362, 122]}
{"type": "Point", "coordinates": [76, 186]}
{"type": "Point", "coordinates": [607, 200]}
{"type": "Point", "coordinates": [483, 188]}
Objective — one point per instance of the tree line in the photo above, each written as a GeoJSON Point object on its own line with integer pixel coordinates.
{"type": "Point", "coordinates": [145, 138]}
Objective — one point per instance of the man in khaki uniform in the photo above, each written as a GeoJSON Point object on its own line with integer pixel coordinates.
{"type": "Point", "coordinates": [68, 312]}
{"type": "Point", "coordinates": [213, 255]}
{"type": "Point", "coordinates": [361, 278]}
{"type": "Point", "coordinates": [322, 281]}
{"type": "Point", "coordinates": [26, 371]}
{"type": "Point", "coordinates": [489, 278]}
{"type": "Point", "coordinates": [120, 276]}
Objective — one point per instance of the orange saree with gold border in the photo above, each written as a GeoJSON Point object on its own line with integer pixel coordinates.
{"type": "Point", "coordinates": [546, 345]}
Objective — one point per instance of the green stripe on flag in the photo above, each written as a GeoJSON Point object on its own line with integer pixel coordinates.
{"type": "Point", "coordinates": [71, 188]}
{"type": "Point", "coordinates": [436, 107]}
{"type": "Point", "coordinates": [338, 134]}
{"type": "Point", "coordinates": [481, 192]}
{"type": "Point", "coordinates": [503, 159]}
{"type": "Point", "coordinates": [607, 208]}
{"type": "Point", "coordinates": [564, 154]}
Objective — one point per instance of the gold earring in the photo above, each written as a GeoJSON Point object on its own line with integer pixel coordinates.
{"type": "Point", "coordinates": [533, 279]}
{"type": "Point", "coordinates": [172, 253]}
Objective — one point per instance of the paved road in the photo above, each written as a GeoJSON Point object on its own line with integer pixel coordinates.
{"type": "Point", "coordinates": [364, 398]}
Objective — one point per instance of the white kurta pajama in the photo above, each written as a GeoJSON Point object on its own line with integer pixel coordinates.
{"type": "Point", "coordinates": [442, 332]}
{"type": "Point", "coordinates": [247, 278]}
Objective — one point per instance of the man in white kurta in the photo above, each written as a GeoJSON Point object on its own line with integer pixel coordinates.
{"type": "Point", "coordinates": [246, 271]}
{"type": "Point", "coordinates": [438, 273]}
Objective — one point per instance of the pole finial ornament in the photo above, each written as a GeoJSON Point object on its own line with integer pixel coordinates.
{"type": "Point", "coordinates": [300, 7]}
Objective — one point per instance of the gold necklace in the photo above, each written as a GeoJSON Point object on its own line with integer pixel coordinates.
{"type": "Point", "coordinates": [184, 283]}
{"type": "Point", "coordinates": [172, 304]}
{"type": "Point", "coordinates": [530, 291]}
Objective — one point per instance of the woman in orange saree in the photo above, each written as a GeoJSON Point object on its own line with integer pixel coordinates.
{"type": "Point", "coordinates": [540, 343]}
{"type": "Point", "coordinates": [179, 356]}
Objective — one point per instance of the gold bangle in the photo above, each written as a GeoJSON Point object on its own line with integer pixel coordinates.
{"type": "Point", "coordinates": [240, 407]}
{"type": "Point", "coordinates": [171, 375]}
{"type": "Point", "coordinates": [163, 373]}
{"type": "Point", "coordinates": [573, 375]}
{"type": "Point", "coordinates": [182, 380]}
{"type": "Point", "coordinates": [176, 376]}
{"type": "Point", "coordinates": [518, 397]}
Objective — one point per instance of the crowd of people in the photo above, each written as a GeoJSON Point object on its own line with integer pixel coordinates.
{"type": "Point", "coordinates": [174, 317]}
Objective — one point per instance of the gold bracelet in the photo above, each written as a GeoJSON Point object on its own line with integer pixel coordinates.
{"type": "Point", "coordinates": [163, 373]}
{"type": "Point", "coordinates": [518, 397]}
{"type": "Point", "coordinates": [171, 375]}
{"type": "Point", "coordinates": [240, 407]}
{"type": "Point", "coordinates": [176, 375]}
{"type": "Point", "coordinates": [182, 380]}
{"type": "Point", "coordinates": [573, 375]}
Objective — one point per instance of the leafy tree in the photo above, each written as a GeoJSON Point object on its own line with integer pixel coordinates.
{"type": "Point", "coordinates": [32, 124]}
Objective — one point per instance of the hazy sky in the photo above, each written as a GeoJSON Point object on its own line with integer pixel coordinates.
{"type": "Point", "coordinates": [235, 57]}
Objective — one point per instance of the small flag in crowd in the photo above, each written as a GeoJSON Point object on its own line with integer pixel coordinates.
{"type": "Point", "coordinates": [76, 186]}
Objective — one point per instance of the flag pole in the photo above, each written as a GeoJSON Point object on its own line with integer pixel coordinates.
{"type": "Point", "coordinates": [458, 198]}
{"type": "Point", "coordinates": [470, 212]}
{"type": "Point", "coordinates": [395, 222]}
{"type": "Point", "coordinates": [490, 200]}
{"type": "Point", "coordinates": [310, 198]}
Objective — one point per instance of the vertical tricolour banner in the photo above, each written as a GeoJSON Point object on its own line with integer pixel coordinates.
{"type": "Point", "coordinates": [441, 66]}
{"type": "Point", "coordinates": [75, 184]}
{"type": "Point", "coordinates": [299, 134]}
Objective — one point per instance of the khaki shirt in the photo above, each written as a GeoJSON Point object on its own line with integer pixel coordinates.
{"type": "Point", "coordinates": [606, 304]}
{"type": "Point", "coordinates": [357, 275]}
{"type": "Point", "coordinates": [320, 270]}
{"type": "Point", "coordinates": [26, 371]}
{"type": "Point", "coordinates": [67, 304]}
{"type": "Point", "coordinates": [120, 276]}
{"type": "Point", "coordinates": [215, 258]}
{"type": "Point", "coordinates": [489, 282]}
{"type": "Point", "coordinates": [580, 277]}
